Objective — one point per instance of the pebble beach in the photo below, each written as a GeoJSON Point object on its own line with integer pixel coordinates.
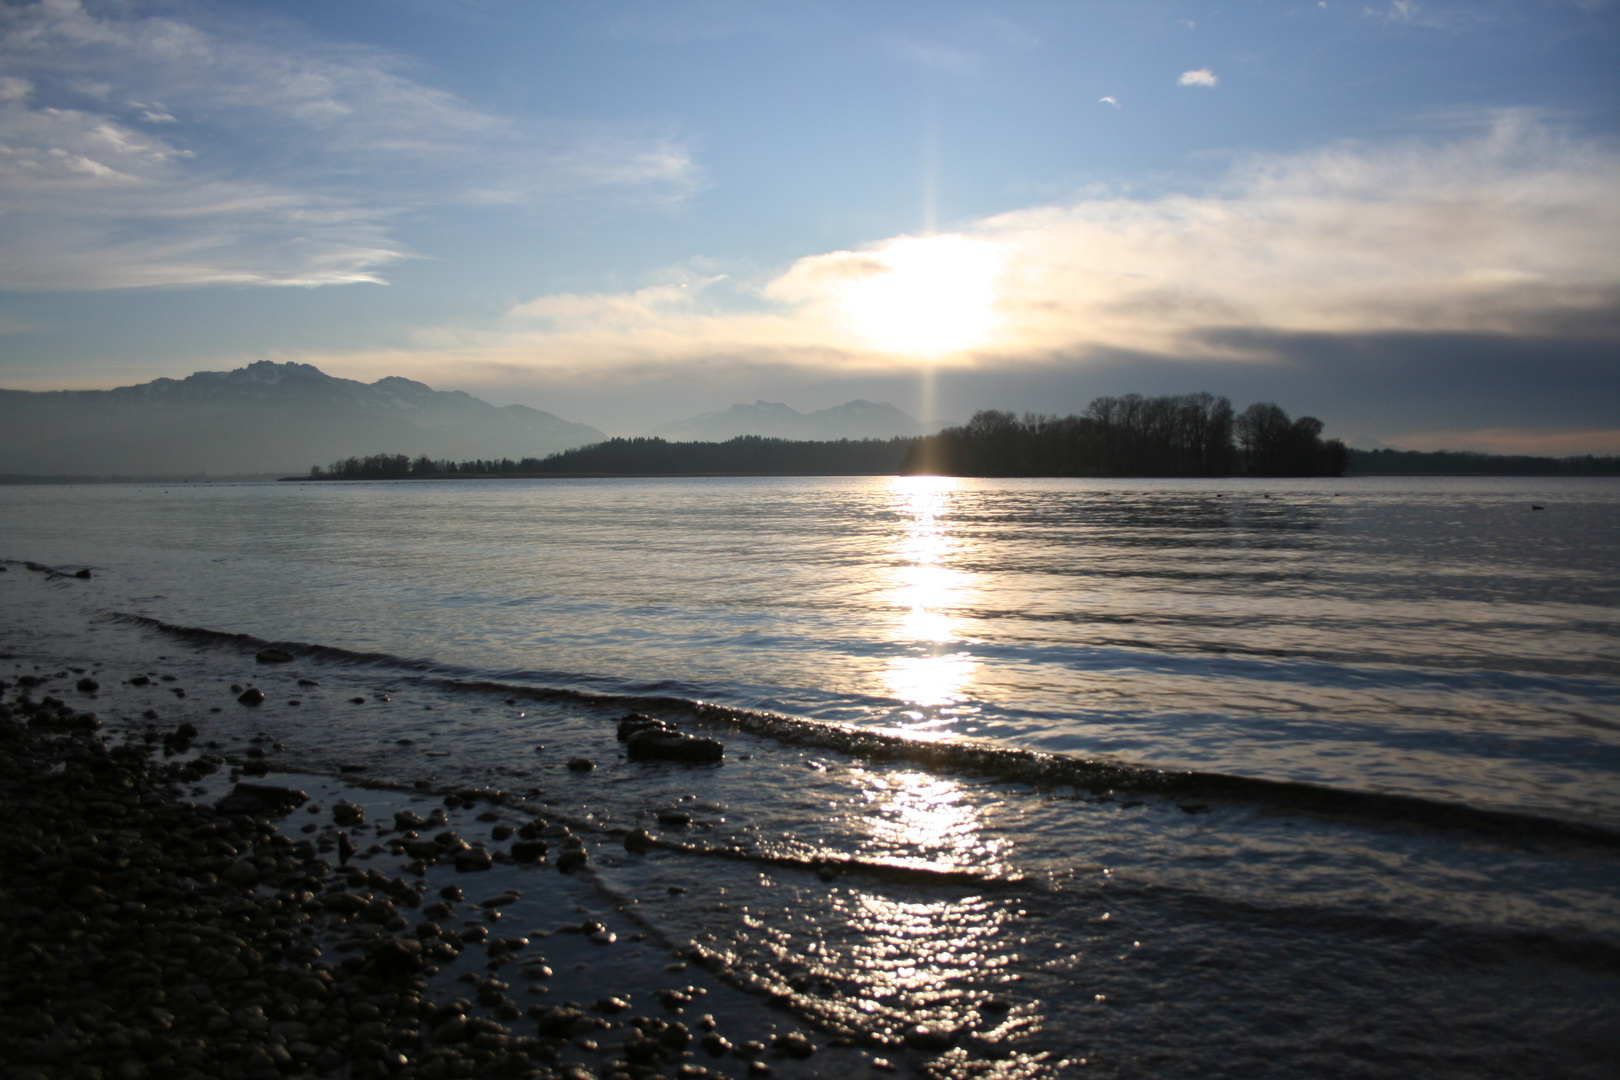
{"type": "Point", "coordinates": [173, 908]}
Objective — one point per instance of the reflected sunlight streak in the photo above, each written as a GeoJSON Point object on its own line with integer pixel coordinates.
{"type": "Point", "coordinates": [924, 588]}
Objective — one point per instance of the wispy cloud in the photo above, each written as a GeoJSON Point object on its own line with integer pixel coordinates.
{"type": "Point", "coordinates": [1109, 100]}
{"type": "Point", "coordinates": [281, 161]}
{"type": "Point", "coordinates": [1507, 231]}
{"type": "Point", "coordinates": [1201, 77]}
{"type": "Point", "coordinates": [1399, 11]}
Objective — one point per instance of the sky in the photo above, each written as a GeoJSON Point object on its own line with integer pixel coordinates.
{"type": "Point", "coordinates": [1400, 217]}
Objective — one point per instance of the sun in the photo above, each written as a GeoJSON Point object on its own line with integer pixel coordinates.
{"type": "Point", "coordinates": [925, 296]}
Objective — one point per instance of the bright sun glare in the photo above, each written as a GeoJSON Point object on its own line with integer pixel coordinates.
{"type": "Point", "coordinates": [936, 296]}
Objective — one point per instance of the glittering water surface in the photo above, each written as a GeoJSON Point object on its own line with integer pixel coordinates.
{"type": "Point", "coordinates": [1402, 696]}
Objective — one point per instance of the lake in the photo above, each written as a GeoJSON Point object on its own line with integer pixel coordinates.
{"type": "Point", "coordinates": [1164, 777]}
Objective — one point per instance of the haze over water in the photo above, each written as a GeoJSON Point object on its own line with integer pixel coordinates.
{"type": "Point", "coordinates": [1433, 639]}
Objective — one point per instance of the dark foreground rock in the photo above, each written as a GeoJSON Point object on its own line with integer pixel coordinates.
{"type": "Point", "coordinates": [673, 746]}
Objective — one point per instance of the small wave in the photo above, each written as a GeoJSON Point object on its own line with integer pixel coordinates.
{"type": "Point", "coordinates": [1036, 768]}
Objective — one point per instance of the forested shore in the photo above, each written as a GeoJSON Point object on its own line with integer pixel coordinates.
{"type": "Point", "coordinates": [1185, 435]}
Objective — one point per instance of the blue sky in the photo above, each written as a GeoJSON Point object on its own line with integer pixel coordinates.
{"type": "Point", "coordinates": [1403, 218]}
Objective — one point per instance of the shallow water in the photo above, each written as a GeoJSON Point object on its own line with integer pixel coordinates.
{"type": "Point", "coordinates": [1401, 698]}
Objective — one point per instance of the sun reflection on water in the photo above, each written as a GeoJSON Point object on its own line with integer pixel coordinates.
{"type": "Point", "coordinates": [916, 814]}
{"type": "Point", "coordinates": [925, 589]}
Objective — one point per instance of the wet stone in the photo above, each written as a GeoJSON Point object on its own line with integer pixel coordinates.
{"type": "Point", "coordinates": [473, 859]}
{"type": "Point", "coordinates": [930, 1040]}
{"type": "Point", "coordinates": [674, 746]}
{"type": "Point", "coordinates": [528, 851]}
{"type": "Point", "coordinates": [261, 799]}
{"type": "Point", "coordinates": [251, 696]}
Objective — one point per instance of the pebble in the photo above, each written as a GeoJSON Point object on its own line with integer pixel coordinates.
{"type": "Point", "coordinates": [251, 696]}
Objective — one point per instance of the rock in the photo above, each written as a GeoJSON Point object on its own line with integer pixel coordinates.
{"type": "Point", "coordinates": [528, 851]}
{"type": "Point", "coordinates": [639, 841]}
{"type": "Point", "coordinates": [139, 680]}
{"type": "Point", "coordinates": [87, 685]}
{"type": "Point", "coordinates": [351, 768]}
{"type": "Point", "coordinates": [930, 1040]}
{"type": "Point", "coordinates": [396, 958]}
{"type": "Point", "coordinates": [186, 731]}
{"type": "Point", "coordinates": [636, 723]}
{"type": "Point", "coordinates": [308, 682]}
{"type": "Point", "coordinates": [793, 1045]}
{"type": "Point", "coordinates": [347, 813]}
{"type": "Point", "coordinates": [674, 818]}
{"type": "Point", "coordinates": [274, 656]}
{"type": "Point", "coordinates": [450, 1031]}
{"type": "Point", "coordinates": [251, 696]}
{"type": "Point", "coordinates": [85, 573]}
{"type": "Point", "coordinates": [242, 873]}
{"type": "Point", "coordinates": [572, 860]}
{"type": "Point", "coordinates": [261, 799]}
{"type": "Point", "coordinates": [673, 746]}
{"type": "Point", "coordinates": [557, 1022]}
{"type": "Point", "coordinates": [473, 859]}
{"type": "Point", "coordinates": [580, 764]}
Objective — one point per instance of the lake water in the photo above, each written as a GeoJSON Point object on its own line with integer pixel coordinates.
{"type": "Point", "coordinates": [1124, 778]}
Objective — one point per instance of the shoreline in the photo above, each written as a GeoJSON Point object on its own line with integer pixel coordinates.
{"type": "Point", "coordinates": [166, 915]}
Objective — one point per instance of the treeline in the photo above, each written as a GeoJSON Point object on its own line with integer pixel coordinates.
{"type": "Point", "coordinates": [1172, 435]}
{"type": "Point", "coordinates": [745, 455]}
{"type": "Point", "coordinates": [1469, 463]}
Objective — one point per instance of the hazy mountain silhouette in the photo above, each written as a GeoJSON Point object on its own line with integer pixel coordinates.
{"type": "Point", "coordinates": [852, 420]}
{"type": "Point", "coordinates": [266, 417]}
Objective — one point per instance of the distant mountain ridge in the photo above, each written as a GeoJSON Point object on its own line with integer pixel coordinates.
{"type": "Point", "coordinates": [852, 420]}
{"type": "Point", "coordinates": [266, 417]}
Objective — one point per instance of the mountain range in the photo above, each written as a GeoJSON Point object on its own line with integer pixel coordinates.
{"type": "Point", "coordinates": [265, 417]}
{"type": "Point", "coordinates": [852, 420]}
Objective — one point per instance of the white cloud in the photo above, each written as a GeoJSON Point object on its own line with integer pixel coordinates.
{"type": "Point", "coordinates": [1201, 77]}
{"type": "Point", "coordinates": [1510, 230]}
{"type": "Point", "coordinates": [1109, 100]}
{"type": "Point", "coordinates": [1399, 11]}
{"type": "Point", "coordinates": [283, 159]}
